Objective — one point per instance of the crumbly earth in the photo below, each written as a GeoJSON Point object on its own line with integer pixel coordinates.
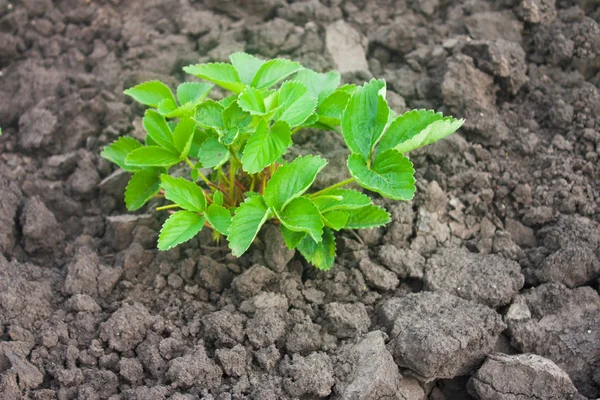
{"type": "Point", "coordinates": [491, 272]}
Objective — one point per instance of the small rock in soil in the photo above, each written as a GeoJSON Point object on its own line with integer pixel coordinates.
{"type": "Point", "coordinates": [537, 11]}
{"type": "Point", "coordinates": [311, 375]}
{"type": "Point", "coordinates": [563, 325]}
{"type": "Point", "coordinates": [305, 336]}
{"type": "Point", "coordinates": [36, 128]}
{"type": "Point", "coordinates": [241, 9]}
{"type": "Point", "coordinates": [27, 375]}
{"type": "Point", "coordinates": [405, 263]}
{"type": "Point", "coordinates": [366, 370]}
{"type": "Point", "coordinates": [264, 300]}
{"type": "Point", "coordinates": [232, 360]}
{"type": "Point", "coordinates": [83, 303]}
{"type": "Point", "coordinates": [487, 279]}
{"type": "Point", "coordinates": [538, 215]}
{"type": "Point", "coordinates": [213, 275]}
{"type": "Point", "coordinates": [131, 370]}
{"type": "Point", "coordinates": [508, 377]}
{"type": "Point", "coordinates": [500, 58]}
{"type": "Point", "coordinates": [10, 196]}
{"type": "Point", "coordinates": [492, 25]}
{"type": "Point", "coordinates": [126, 328]}
{"type": "Point", "coordinates": [277, 255]}
{"type": "Point", "coordinates": [83, 182]}
{"type": "Point", "coordinates": [224, 328]}
{"type": "Point", "coordinates": [265, 328]}
{"type": "Point", "coordinates": [522, 235]}
{"type": "Point", "coordinates": [346, 320]}
{"type": "Point", "coordinates": [26, 293]}
{"type": "Point", "coordinates": [411, 389]}
{"type": "Point", "coordinates": [41, 232]}
{"type": "Point", "coordinates": [268, 357]}
{"type": "Point", "coordinates": [70, 376]}
{"type": "Point", "coordinates": [346, 48]}
{"type": "Point", "coordinates": [151, 393]}
{"type": "Point", "coordinates": [120, 228]}
{"type": "Point", "coordinates": [85, 275]}
{"type": "Point", "coordinates": [195, 369]}
{"type": "Point", "coordinates": [149, 355]}
{"type": "Point", "coordinates": [377, 276]}
{"type": "Point", "coordinates": [574, 247]}
{"type": "Point", "coordinates": [103, 382]}
{"type": "Point", "coordinates": [469, 91]}
{"type": "Point", "coordinates": [115, 183]}
{"type": "Point", "coordinates": [437, 335]}
{"type": "Point", "coordinates": [251, 281]}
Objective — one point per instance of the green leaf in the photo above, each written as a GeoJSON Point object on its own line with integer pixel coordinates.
{"type": "Point", "coordinates": [292, 239]}
{"type": "Point", "coordinates": [331, 109]}
{"type": "Point", "coordinates": [150, 93]}
{"type": "Point", "coordinates": [200, 136]}
{"type": "Point", "coordinates": [295, 103]}
{"type": "Point", "coordinates": [219, 218]}
{"type": "Point", "coordinates": [179, 228]}
{"type": "Point", "coordinates": [265, 146]}
{"type": "Point", "coordinates": [235, 117]}
{"type": "Point", "coordinates": [167, 108]}
{"type": "Point", "coordinates": [391, 174]}
{"type": "Point", "coordinates": [212, 153]}
{"type": "Point", "coordinates": [118, 151]}
{"type": "Point", "coordinates": [151, 156]}
{"type": "Point", "coordinates": [335, 220]}
{"type": "Point", "coordinates": [252, 101]}
{"type": "Point", "coordinates": [142, 186]}
{"type": "Point", "coordinates": [341, 199]}
{"type": "Point", "coordinates": [407, 126]}
{"type": "Point", "coordinates": [319, 85]}
{"type": "Point", "coordinates": [218, 198]}
{"type": "Point", "coordinates": [227, 101]}
{"type": "Point", "coordinates": [249, 218]}
{"type": "Point", "coordinates": [235, 120]}
{"type": "Point", "coordinates": [301, 215]}
{"type": "Point", "coordinates": [370, 216]}
{"type": "Point", "coordinates": [158, 129]}
{"type": "Point", "coordinates": [193, 92]}
{"type": "Point", "coordinates": [435, 131]}
{"type": "Point", "coordinates": [183, 135]}
{"type": "Point", "coordinates": [210, 114]}
{"type": "Point", "coordinates": [221, 74]}
{"type": "Point", "coordinates": [180, 191]}
{"type": "Point", "coordinates": [246, 65]}
{"type": "Point", "coordinates": [292, 180]}
{"type": "Point", "coordinates": [274, 71]}
{"type": "Point", "coordinates": [321, 255]}
{"type": "Point", "coordinates": [365, 118]}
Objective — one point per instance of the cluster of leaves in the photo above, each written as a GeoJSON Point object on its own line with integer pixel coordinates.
{"type": "Point", "coordinates": [242, 138]}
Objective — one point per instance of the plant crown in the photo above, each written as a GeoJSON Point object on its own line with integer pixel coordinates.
{"type": "Point", "coordinates": [242, 139]}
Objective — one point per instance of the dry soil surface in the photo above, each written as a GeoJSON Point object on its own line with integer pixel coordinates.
{"type": "Point", "coordinates": [484, 286]}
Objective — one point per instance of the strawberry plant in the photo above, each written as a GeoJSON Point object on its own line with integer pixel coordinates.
{"type": "Point", "coordinates": [234, 148]}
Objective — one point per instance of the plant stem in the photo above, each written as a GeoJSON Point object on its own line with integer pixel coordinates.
{"type": "Point", "coordinates": [167, 207]}
{"type": "Point", "coordinates": [200, 174]}
{"type": "Point", "coordinates": [337, 185]}
{"type": "Point", "coordinates": [232, 172]}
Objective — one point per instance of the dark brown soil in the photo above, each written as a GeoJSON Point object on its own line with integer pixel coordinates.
{"type": "Point", "coordinates": [499, 252]}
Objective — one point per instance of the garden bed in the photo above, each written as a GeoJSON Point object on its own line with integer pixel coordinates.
{"type": "Point", "coordinates": [498, 254]}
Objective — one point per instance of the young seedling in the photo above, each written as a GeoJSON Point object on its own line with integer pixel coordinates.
{"type": "Point", "coordinates": [242, 140]}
